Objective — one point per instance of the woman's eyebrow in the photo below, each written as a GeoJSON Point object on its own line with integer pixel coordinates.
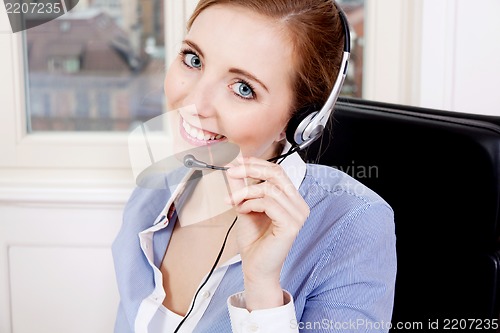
{"type": "Point", "coordinates": [231, 70]}
{"type": "Point", "coordinates": [248, 75]}
{"type": "Point", "coordinates": [194, 46]}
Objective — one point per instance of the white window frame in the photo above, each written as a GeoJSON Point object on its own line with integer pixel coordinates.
{"type": "Point", "coordinates": [433, 54]}
{"type": "Point", "coordinates": [392, 51]}
{"type": "Point", "coordinates": [62, 158]}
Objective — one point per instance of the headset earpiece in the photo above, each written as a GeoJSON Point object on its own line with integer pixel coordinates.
{"type": "Point", "coordinates": [298, 122]}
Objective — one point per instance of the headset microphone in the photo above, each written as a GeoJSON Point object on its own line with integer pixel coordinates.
{"type": "Point", "coordinates": [192, 162]}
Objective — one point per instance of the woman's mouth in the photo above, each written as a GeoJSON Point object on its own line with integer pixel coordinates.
{"type": "Point", "coordinates": [197, 136]}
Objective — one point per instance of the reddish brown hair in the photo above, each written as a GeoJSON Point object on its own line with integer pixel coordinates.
{"type": "Point", "coordinates": [316, 32]}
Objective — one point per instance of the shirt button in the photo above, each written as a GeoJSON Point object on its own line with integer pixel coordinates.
{"type": "Point", "coordinates": [253, 328]}
{"type": "Point", "coordinates": [205, 294]}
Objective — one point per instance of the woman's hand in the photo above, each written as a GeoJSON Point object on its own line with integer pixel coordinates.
{"type": "Point", "coordinates": [271, 213]}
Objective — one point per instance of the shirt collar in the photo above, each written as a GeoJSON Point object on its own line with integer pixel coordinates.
{"type": "Point", "coordinates": [294, 166]}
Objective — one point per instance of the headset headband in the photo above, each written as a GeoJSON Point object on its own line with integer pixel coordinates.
{"type": "Point", "coordinates": [312, 126]}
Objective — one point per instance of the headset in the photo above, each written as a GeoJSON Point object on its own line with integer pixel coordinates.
{"type": "Point", "coordinates": [305, 127]}
{"type": "Point", "coordinates": [308, 124]}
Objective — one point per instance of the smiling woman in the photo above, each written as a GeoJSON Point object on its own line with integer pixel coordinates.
{"type": "Point", "coordinates": [416, 53]}
{"type": "Point", "coordinates": [300, 242]}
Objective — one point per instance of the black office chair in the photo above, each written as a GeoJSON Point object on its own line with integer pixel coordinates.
{"type": "Point", "coordinates": [440, 171]}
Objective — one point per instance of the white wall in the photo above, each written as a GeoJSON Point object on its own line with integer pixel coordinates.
{"type": "Point", "coordinates": [56, 270]}
{"type": "Point", "coordinates": [436, 54]}
{"type": "Point", "coordinates": [460, 56]}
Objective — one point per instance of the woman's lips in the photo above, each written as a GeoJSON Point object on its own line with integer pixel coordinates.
{"type": "Point", "coordinates": [197, 136]}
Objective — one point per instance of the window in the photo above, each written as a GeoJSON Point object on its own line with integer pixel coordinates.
{"type": "Point", "coordinates": [99, 67]}
{"type": "Point", "coordinates": [355, 12]}
{"type": "Point", "coordinates": [41, 142]}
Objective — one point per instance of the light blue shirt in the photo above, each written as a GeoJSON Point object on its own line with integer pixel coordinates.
{"type": "Point", "coordinates": [340, 270]}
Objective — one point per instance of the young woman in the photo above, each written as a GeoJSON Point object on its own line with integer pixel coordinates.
{"type": "Point", "coordinates": [307, 248]}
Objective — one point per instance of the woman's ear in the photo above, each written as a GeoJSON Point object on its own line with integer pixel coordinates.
{"type": "Point", "coordinates": [281, 136]}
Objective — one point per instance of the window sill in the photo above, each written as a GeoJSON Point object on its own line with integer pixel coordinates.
{"type": "Point", "coordinates": [77, 187]}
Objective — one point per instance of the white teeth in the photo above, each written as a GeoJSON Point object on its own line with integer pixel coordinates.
{"type": "Point", "coordinates": [198, 134]}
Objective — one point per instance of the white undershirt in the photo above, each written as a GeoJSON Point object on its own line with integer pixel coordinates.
{"type": "Point", "coordinates": [166, 321]}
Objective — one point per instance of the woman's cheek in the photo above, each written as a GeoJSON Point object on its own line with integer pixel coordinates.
{"type": "Point", "coordinates": [174, 86]}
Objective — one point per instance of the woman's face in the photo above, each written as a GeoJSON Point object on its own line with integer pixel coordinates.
{"type": "Point", "coordinates": [235, 67]}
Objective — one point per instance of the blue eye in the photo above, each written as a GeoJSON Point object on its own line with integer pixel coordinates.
{"type": "Point", "coordinates": [192, 60]}
{"type": "Point", "coordinates": [244, 90]}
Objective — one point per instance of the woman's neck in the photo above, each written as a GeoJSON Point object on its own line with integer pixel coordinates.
{"type": "Point", "coordinates": [206, 201]}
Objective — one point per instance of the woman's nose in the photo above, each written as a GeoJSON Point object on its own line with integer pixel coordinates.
{"type": "Point", "coordinates": [202, 95]}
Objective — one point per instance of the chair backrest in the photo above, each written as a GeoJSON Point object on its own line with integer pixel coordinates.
{"type": "Point", "coordinates": [440, 171]}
